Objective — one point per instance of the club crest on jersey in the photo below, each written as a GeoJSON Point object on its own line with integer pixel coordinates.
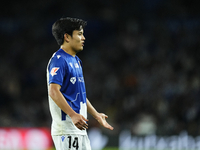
{"type": "Point", "coordinates": [53, 71]}
{"type": "Point", "coordinates": [73, 80]}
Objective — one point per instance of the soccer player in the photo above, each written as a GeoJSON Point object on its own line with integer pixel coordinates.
{"type": "Point", "coordinates": [66, 88]}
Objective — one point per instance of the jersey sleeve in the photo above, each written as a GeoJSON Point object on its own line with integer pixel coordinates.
{"type": "Point", "coordinates": [57, 69]}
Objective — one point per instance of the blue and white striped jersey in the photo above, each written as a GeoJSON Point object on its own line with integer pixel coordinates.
{"type": "Point", "coordinates": [66, 70]}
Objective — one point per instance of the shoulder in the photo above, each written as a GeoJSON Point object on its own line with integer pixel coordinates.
{"type": "Point", "coordinates": [60, 55]}
{"type": "Point", "coordinates": [57, 59]}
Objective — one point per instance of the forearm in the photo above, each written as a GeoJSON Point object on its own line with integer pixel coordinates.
{"type": "Point", "coordinates": [91, 110]}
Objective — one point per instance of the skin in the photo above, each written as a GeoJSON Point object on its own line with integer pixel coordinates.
{"type": "Point", "coordinates": [72, 45]}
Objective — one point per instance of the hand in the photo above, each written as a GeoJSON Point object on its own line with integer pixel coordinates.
{"type": "Point", "coordinates": [101, 118]}
{"type": "Point", "coordinates": [79, 121]}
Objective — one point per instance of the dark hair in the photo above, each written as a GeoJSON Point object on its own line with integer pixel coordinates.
{"type": "Point", "coordinates": [66, 25]}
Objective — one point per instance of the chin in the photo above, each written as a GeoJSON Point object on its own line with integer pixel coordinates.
{"type": "Point", "coordinates": [79, 50]}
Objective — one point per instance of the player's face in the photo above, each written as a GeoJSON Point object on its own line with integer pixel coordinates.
{"type": "Point", "coordinates": [77, 40]}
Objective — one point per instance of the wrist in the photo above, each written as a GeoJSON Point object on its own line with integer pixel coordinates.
{"type": "Point", "coordinates": [96, 115]}
{"type": "Point", "coordinates": [71, 114]}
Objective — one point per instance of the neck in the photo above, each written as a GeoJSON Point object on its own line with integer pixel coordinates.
{"type": "Point", "coordinates": [68, 50]}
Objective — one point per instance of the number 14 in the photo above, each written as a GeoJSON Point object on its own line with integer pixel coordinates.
{"type": "Point", "coordinates": [74, 144]}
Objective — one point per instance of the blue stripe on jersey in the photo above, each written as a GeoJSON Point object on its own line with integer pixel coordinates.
{"type": "Point", "coordinates": [63, 115]}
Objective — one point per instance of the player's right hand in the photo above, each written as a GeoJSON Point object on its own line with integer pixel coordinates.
{"type": "Point", "coordinates": [79, 121]}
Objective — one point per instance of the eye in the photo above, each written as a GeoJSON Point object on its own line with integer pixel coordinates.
{"type": "Point", "coordinates": [80, 33]}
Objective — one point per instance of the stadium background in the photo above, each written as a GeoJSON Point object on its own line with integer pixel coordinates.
{"type": "Point", "coordinates": [141, 63]}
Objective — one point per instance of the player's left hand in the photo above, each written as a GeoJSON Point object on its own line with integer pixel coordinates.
{"type": "Point", "coordinates": [101, 118]}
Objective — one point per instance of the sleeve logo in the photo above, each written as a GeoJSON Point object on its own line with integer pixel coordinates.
{"type": "Point", "coordinates": [53, 71]}
{"type": "Point", "coordinates": [58, 56]}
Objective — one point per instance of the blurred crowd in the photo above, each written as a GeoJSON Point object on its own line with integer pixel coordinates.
{"type": "Point", "coordinates": [140, 62]}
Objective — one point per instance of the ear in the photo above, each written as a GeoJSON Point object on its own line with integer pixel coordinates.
{"type": "Point", "coordinates": [67, 37]}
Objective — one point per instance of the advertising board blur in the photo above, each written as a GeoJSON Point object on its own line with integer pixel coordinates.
{"type": "Point", "coordinates": [25, 138]}
{"type": "Point", "coordinates": [126, 140]}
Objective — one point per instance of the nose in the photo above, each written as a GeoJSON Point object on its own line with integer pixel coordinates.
{"type": "Point", "coordinates": [83, 37]}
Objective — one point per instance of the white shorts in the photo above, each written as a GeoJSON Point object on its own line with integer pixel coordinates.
{"type": "Point", "coordinates": [71, 142]}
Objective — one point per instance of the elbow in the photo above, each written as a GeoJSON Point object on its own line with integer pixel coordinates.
{"type": "Point", "coordinates": [53, 91]}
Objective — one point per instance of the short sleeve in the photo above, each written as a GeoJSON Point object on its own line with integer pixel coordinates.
{"type": "Point", "coordinates": [57, 70]}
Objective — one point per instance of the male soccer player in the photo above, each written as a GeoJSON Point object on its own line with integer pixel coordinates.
{"type": "Point", "coordinates": [66, 88]}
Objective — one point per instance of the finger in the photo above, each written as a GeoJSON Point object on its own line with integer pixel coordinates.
{"type": "Point", "coordinates": [84, 122]}
{"type": "Point", "coordinates": [78, 126]}
{"type": "Point", "coordinates": [106, 125]}
{"type": "Point", "coordinates": [106, 116]}
{"type": "Point", "coordinates": [82, 125]}
{"type": "Point", "coordinates": [85, 119]}
{"type": "Point", "coordinates": [110, 127]}
{"type": "Point", "coordinates": [85, 125]}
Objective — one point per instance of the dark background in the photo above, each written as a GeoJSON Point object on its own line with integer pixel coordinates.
{"type": "Point", "coordinates": [140, 61]}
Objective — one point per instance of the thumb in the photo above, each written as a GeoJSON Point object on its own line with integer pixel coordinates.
{"type": "Point", "coordinates": [85, 119]}
{"type": "Point", "coordinates": [104, 116]}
